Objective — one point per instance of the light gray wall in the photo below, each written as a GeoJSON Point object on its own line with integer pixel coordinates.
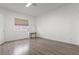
{"type": "Point", "coordinates": [9, 25]}
{"type": "Point", "coordinates": [61, 25]}
{"type": "Point", "coordinates": [11, 32]}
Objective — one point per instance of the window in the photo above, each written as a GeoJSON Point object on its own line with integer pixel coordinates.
{"type": "Point", "coordinates": [21, 24]}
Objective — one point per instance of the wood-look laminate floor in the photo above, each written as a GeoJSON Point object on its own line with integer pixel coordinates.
{"type": "Point", "coordinates": [38, 47]}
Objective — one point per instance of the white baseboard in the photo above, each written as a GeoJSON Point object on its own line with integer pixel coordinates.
{"type": "Point", "coordinates": [11, 41]}
{"type": "Point", "coordinates": [60, 41]}
{"type": "Point", "coordinates": [2, 42]}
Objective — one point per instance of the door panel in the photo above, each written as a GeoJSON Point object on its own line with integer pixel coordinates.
{"type": "Point", "coordinates": [1, 29]}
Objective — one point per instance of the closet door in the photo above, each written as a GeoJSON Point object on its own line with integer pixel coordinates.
{"type": "Point", "coordinates": [1, 29]}
{"type": "Point", "coordinates": [1, 32]}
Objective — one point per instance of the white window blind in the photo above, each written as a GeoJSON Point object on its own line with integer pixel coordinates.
{"type": "Point", "coordinates": [21, 22]}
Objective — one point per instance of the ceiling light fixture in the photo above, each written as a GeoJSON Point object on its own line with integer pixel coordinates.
{"type": "Point", "coordinates": [28, 4]}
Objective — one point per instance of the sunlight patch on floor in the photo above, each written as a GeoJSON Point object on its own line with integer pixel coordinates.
{"type": "Point", "coordinates": [21, 49]}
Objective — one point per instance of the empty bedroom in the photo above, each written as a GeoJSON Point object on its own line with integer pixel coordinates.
{"type": "Point", "coordinates": [39, 28]}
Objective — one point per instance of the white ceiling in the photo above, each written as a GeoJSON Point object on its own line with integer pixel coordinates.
{"type": "Point", "coordinates": [39, 9]}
